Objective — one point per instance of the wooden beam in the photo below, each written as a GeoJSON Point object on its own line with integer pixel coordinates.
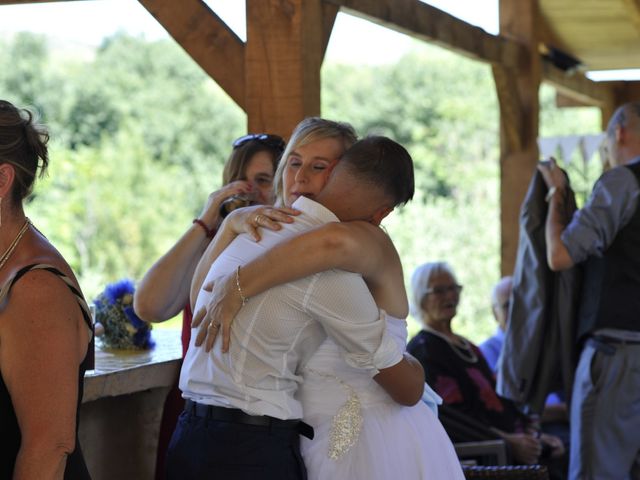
{"type": "Point", "coordinates": [624, 91]}
{"type": "Point", "coordinates": [419, 20]}
{"type": "Point", "coordinates": [285, 45]}
{"type": "Point", "coordinates": [329, 13]}
{"type": "Point", "coordinates": [520, 104]}
{"type": "Point", "coordinates": [621, 92]}
{"type": "Point", "coordinates": [207, 39]}
{"type": "Point", "coordinates": [564, 101]}
{"type": "Point", "coordinates": [511, 114]}
{"type": "Point", "coordinates": [576, 86]}
{"type": "Point", "coordinates": [633, 8]}
{"type": "Point", "coordinates": [24, 2]}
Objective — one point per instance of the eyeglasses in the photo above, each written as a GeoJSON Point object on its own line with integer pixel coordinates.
{"type": "Point", "coordinates": [444, 290]}
{"type": "Point", "coordinates": [274, 141]}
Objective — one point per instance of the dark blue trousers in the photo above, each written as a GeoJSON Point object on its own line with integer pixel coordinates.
{"type": "Point", "coordinates": [203, 448]}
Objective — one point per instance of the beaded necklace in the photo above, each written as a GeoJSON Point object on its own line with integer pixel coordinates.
{"type": "Point", "coordinates": [464, 351]}
{"type": "Point", "coordinates": [5, 256]}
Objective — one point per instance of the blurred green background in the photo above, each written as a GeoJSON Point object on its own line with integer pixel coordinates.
{"type": "Point", "coordinates": [140, 134]}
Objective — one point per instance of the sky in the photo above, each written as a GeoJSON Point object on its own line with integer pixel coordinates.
{"type": "Point", "coordinates": [353, 40]}
{"type": "Point", "coordinates": [86, 23]}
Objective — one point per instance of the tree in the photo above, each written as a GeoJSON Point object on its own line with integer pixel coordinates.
{"type": "Point", "coordinates": [140, 134]}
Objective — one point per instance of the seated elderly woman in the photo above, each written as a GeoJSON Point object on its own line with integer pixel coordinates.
{"type": "Point", "coordinates": [458, 372]}
{"type": "Point", "coordinates": [45, 327]}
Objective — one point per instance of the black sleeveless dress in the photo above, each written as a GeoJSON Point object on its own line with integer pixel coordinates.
{"type": "Point", "coordinates": [9, 431]}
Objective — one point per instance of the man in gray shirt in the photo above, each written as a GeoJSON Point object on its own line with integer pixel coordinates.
{"type": "Point", "coordinates": [605, 237]}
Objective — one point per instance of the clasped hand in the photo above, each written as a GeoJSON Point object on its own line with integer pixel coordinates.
{"type": "Point", "coordinates": [225, 301]}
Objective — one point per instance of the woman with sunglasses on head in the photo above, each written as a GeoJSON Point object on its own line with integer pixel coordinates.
{"type": "Point", "coordinates": [247, 176]}
{"type": "Point", "coordinates": [459, 373]}
{"type": "Point", "coordinates": [164, 290]}
{"type": "Point", "coordinates": [45, 324]}
{"type": "Point", "coordinates": [334, 394]}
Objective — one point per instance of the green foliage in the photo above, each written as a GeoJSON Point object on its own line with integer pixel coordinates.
{"type": "Point", "coordinates": [140, 134]}
{"type": "Point", "coordinates": [572, 121]}
{"type": "Point", "coordinates": [443, 109]}
{"type": "Point", "coordinates": [24, 67]}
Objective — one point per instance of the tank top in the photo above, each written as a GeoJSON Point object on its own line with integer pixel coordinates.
{"type": "Point", "coordinates": [76, 468]}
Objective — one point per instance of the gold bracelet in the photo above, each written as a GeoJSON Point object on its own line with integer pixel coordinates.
{"type": "Point", "coordinates": [242, 297]}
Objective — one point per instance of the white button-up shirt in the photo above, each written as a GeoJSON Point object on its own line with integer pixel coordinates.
{"type": "Point", "coordinates": [276, 332]}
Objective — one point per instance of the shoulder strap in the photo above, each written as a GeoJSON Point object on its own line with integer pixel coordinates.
{"type": "Point", "coordinates": [84, 308]}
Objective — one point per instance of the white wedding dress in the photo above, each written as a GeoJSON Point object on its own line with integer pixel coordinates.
{"type": "Point", "coordinates": [361, 433]}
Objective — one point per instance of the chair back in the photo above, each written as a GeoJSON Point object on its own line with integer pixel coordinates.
{"type": "Point", "coordinates": [506, 472]}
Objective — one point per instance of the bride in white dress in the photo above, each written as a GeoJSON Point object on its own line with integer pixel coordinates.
{"type": "Point", "coordinates": [360, 432]}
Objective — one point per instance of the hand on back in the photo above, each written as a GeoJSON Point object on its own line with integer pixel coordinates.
{"type": "Point", "coordinates": [250, 219]}
{"type": "Point", "coordinates": [219, 312]}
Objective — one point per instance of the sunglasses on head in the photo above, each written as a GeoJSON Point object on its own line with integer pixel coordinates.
{"type": "Point", "coordinates": [274, 141]}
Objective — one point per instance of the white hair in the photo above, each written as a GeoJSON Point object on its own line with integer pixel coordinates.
{"type": "Point", "coordinates": [420, 284]}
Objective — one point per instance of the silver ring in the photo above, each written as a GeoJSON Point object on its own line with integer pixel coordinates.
{"type": "Point", "coordinates": [213, 325]}
{"type": "Point", "coordinates": [257, 219]}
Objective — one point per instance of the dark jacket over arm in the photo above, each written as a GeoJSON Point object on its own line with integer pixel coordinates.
{"type": "Point", "coordinates": [539, 350]}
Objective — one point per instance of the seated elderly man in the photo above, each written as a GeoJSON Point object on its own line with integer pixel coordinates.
{"type": "Point", "coordinates": [492, 346]}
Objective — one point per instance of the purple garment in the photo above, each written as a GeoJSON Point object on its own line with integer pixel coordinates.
{"type": "Point", "coordinates": [492, 347]}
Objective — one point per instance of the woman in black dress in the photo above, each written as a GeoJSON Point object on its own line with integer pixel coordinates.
{"type": "Point", "coordinates": [45, 327]}
{"type": "Point", "coordinates": [456, 369]}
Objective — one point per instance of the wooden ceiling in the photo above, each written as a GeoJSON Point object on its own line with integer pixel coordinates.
{"type": "Point", "coordinates": [602, 34]}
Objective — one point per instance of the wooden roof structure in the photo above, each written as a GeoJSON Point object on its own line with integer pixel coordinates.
{"type": "Point", "coordinates": [275, 75]}
{"type": "Point", "coordinates": [604, 35]}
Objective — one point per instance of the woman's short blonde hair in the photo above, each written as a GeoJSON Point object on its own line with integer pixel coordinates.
{"type": "Point", "coordinates": [307, 131]}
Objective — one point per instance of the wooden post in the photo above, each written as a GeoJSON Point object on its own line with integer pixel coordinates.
{"type": "Point", "coordinates": [517, 90]}
{"type": "Point", "coordinates": [620, 92]}
{"type": "Point", "coordinates": [284, 51]}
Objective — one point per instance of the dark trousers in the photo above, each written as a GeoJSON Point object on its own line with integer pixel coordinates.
{"type": "Point", "coordinates": [204, 448]}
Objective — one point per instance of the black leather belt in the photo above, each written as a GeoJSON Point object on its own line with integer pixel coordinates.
{"type": "Point", "coordinates": [614, 341]}
{"type": "Point", "coordinates": [234, 415]}
{"type": "Point", "coordinates": [607, 345]}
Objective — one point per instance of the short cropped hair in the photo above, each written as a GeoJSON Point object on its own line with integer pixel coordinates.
{"type": "Point", "coordinates": [384, 163]}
